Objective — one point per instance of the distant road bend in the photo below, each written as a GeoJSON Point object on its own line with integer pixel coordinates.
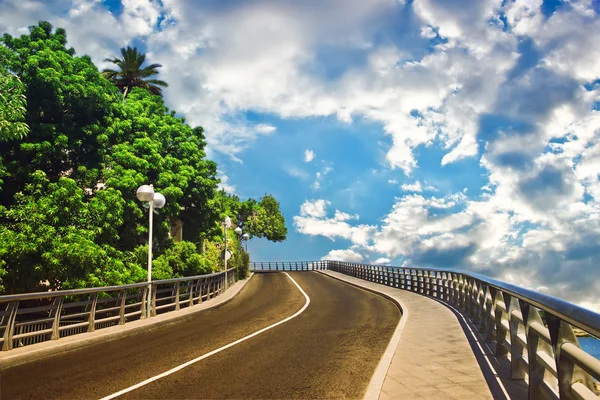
{"type": "Point", "coordinates": [326, 342]}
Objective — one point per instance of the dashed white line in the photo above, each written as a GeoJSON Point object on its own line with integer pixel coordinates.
{"type": "Point", "coordinates": [220, 349]}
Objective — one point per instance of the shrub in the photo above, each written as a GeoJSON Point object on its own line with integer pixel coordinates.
{"type": "Point", "coordinates": [243, 265]}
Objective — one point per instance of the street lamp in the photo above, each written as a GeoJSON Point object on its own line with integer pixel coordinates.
{"type": "Point", "coordinates": [238, 232]}
{"type": "Point", "coordinates": [226, 224]}
{"type": "Point", "coordinates": [146, 193]}
{"type": "Point", "coordinates": [245, 236]}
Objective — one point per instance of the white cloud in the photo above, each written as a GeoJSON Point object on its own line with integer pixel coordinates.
{"type": "Point", "coordinates": [140, 17]}
{"type": "Point", "coordinates": [320, 175]}
{"type": "Point", "coordinates": [382, 261]}
{"type": "Point", "coordinates": [393, 181]}
{"type": "Point", "coordinates": [91, 28]}
{"type": "Point", "coordinates": [264, 129]}
{"type": "Point", "coordinates": [313, 221]}
{"type": "Point", "coordinates": [316, 209]}
{"type": "Point", "coordinates": [224, 184]}
{"type": "Point", "coordinates": [309, 155]}
{"type": "Point", "coordinates": [343, 255]}
{"type": "Point", "coordinates": [413, 187]}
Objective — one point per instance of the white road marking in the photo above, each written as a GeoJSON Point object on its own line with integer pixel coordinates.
{"type": "Point", "coordinates": [195, 360]}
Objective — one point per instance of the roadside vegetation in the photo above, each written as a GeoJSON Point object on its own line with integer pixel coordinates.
{"type": "Point", "coordinates": [72, 154]}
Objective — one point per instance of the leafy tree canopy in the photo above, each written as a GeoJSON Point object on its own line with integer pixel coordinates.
{"type": "Point", "coordinates": [69, 216]}
{"type": "Point", "coordinates": [262, 219]}
{"type": "Point", "coordinates": [12, 102]}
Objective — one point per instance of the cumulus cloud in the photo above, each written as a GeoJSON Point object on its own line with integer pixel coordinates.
{"type": "Point", "coordinates": [140, 17]}
{"type": "Point", "coordinates": [313, 221]}
{"type": "Point", "coordinates": [91, 28]}
{"type": "Point", "coordinates": [309, 155]}
{"type": "Point", "coordinates": [382, 261]}
{"type": "Point", "coordinates": [224, 183]}
{"type": "Point", "coordinates": [343, 255]}
{"type": "Point", "coordinates": [412, 187]}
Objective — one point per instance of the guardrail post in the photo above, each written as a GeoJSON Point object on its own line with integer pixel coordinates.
{"type": "Point", "coordinates": [568, 372]}
{"type": "Point", "coordinates": [200, 289]}
{"type": "Point", "coordinates": [123, 301]}
{"type": "Point", "coordinates": [491, 333]}
{"type": "Point", "coordinates": [191, 287]}
{"type": "Point", "coordinates": [480, 300]}
{"type": "Point", "coordinates": [534, 343]}
{"type": "Point", "coordinates": [470, 299]}
{"type": "Point", "coordinates": [92, 315]}
{"type": "Point", "coordinates": [501, 315]}
{"type": "Point", "coordinates": [55, 315]}
{"type": "Point", "coordinates": [177, 291]}
{"type": "Point", "coordinates": [153, 293]}
{"type": "Point", "coordinates": [9, 327]}
{"type": "Point", "coordinates": [144, 302]}
{"type": "Point", "coordinates": [517, 351]}
{"type": "Point", "coordinates": [485, 310]}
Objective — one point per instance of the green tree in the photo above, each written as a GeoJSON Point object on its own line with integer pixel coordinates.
{"type": "Point", "coordinates": [267, 221]}
{"type": "Point", "coordinates": [69, 105]}
{"type": "Point", "coordinates": [12, 102]}
{"type": "Point", "coordinates": [69, 216]}
{"type": "Point", "coordinates": [52, 238]}
{"type": "Point", "coordinates": [147, 144]}
{"type": "Point", "coordinates": [130, 73]}
{"type": "Point", "coordinates": [262, 219]}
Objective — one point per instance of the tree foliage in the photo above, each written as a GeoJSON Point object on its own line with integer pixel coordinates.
{"type": "Point", "coordinates": [69, 216]}
{"type": "Point", "coordinates": [260, 219]}
{"type": "Point", "coordinates": [12, 103]}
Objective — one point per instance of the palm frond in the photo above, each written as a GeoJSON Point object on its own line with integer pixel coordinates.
{"type": "Point", "coordinates": [130, 73]}
{"type": "Point", "coordinates": [157, 82]}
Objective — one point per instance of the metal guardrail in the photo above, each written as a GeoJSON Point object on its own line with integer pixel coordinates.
{"type": "Point", "coordinates": [287, 266]}
{"type": "Point", "coordinates": [37, 317]}
{"type": "Point", "coordinates": [533, 330]}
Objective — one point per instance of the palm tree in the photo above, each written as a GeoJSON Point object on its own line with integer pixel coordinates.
{"type": "Point", "coordinates": [131, 74]}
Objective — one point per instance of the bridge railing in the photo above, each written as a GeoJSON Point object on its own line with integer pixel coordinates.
{"type": "Point", "coordinates": [287, 266]}
{"type": "Point", "coordinates": [37, 317]}
{"type": "Point", "coordinates": [534, 330]}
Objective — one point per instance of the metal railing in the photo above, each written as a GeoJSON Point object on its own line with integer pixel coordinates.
{"type": "Point", "coordinates": [287, 266]}
{"type": "Point", "coordinates": [37, 317]}
{"type": "Point", "coordinates": [533, 330]}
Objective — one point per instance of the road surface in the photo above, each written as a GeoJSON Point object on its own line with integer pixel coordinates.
{"type": "Point", "coordinates": [330, 350]}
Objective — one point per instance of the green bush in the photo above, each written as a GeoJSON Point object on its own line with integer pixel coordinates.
{"type": "Point", "coordinates": [182, 259]}
{"type": "Point", "coordinates": [242, 264]}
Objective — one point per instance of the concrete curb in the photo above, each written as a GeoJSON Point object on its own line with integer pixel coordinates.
{"type": "Point", "coordinates": [376, 383]}
{"type": "Point", "coordinates": [49, 348]}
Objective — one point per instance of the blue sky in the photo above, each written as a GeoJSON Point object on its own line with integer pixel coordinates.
{"type": "Point", "coordinates": [446, 133]}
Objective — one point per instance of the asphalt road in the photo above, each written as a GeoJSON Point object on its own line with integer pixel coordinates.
{"type": "Point", "coordinates": [328, 351]}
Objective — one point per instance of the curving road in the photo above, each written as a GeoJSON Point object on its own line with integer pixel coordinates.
{"type": "Point", "coordinates": [329, 351]}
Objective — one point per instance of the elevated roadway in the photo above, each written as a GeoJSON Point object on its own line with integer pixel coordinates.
{"type": "Point", "coordinates": [328, 350]}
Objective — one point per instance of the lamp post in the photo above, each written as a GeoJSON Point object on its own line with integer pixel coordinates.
{"type": "Point", "coordinates": [146, 193]}
{"type": "Point", "coordinates": [238, 232]}
{"type": "Point", "coordinates": [245, 236]}
{"type": "Point", "coordinates": [226, 224]}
